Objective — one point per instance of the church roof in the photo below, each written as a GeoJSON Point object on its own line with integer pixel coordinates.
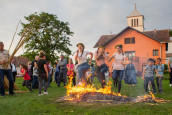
{"type": "Point", "coordinates": [135, 12]}
{"type": "Point", "coordinates": [161, 36]}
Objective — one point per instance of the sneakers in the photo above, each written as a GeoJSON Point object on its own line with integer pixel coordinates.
{"type": "Point", "coordinates": [40, 94]}
{"type": "Point", "coordinates": [45, 93]}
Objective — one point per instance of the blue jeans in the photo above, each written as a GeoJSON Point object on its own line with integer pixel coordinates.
{"type": "Point", "coordinates": [147, 79]}
{"type": "Point", "coordinates": [82, 69]}
{"type": "Point", "coordinates": [101, 72]}
{"type": "Point", "coordinates": [56, 76]}
{"type": "Point", "coordinates": [98, 77]}
{"type": "Point", "coordinates": [92, 77]}
{"type": "Point", "coordinates": [9, 75]}
{"type": "Point", "coordinates": [62, 76]}
{"type": "Point", "coordinates": [49, 79]}
{"type": "Point", "coordinates": [35, 80]}
{"type": "Point", "coordinates": [118, 74]}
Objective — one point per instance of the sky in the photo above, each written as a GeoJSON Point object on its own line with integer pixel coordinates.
{"type": "Point", "coordinates": [88, 19]}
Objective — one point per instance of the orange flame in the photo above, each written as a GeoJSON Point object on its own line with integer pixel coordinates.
{"type": "Point", "coordinates": [153, 97]}
{"type": "Point", "coordinates": [80, 89]}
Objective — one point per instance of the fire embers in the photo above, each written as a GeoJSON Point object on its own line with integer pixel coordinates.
{"type": "Point", "coordinates": [90, 94]}
{"type": "Point", "coordinates": [99, 97]}
{"type": "Point", "coordinates": [150, 99]}
{"type": "Point", "coordinates": [90, 97]}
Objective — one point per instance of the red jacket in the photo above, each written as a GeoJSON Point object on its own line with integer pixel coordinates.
{"type": "Point", "coordinates": [26, 75]}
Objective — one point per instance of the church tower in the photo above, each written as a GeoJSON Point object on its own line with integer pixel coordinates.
{"type": "Point", "coordinates": [136, 20]}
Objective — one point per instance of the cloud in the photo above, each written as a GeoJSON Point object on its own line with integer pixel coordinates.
{"type": "Point", "coordinates": [89, 19]}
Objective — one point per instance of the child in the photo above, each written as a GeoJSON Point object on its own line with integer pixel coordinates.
{"type": "Point", "coordinates": [76, 71]}
{"type": "Point", "coordinates": [26, 77]}
{"type": "Point", "coordinates": [88, 75]}
{"type": "Point", "coordinates": [92, 70]}
{"type": "Point", "coordinates": [148, 74]}
{"type": "Point", "coordinates": [160, 69]}
{"type": "Point", "coordinates": [35, 76]}
{"type": "Point", "coordinates": [70, 72]}
{"type": "Point", "coordinates": [115, 82]}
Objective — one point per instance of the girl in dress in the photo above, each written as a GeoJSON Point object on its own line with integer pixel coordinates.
{"type": "Point", "coordinates": [70, 72]}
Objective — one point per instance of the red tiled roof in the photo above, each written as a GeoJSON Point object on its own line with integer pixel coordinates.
{"type": "Point", "coordinates": [158, 35]}
{"type": "Point", "coordinates": [104, 39]}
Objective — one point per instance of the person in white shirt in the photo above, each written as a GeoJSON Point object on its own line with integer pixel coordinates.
{"type": "Point", "coordinates": [119, 63]}
{"type": "Point", "coordinates": [13, 69]}
{"type": "Point", "coordinates": [4, 57]}
{"type": "Point", "coordinates": [76, 71]}
{"type": "Point", "coordinates": [81, 57]}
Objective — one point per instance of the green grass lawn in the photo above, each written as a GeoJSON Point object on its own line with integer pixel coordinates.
{"type": "Point", "coordinates": [32, 104]}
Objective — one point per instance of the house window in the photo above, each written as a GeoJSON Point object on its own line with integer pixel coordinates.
{"type": "Point", "coordinates": [137, 22]}
{"type": "Point", "coordinates": [155, 52]}
{"type": "Point", "coordinates": [130, 54]}
{"type": "Point", "coordinates": [132, 22]}
{"type": "Point", "coordinates": [129, 40]}
{"type": "Point", "coordinates": [166, 46]}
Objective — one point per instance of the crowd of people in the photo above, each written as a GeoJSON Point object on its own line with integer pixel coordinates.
{"type": "Point", "coordinates": [40, 73]}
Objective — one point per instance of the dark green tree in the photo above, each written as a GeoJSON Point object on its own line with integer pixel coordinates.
{"type": "Point", "coordinates": [170, 33]}
{"type": "Point", "coordinates": [47, 34]}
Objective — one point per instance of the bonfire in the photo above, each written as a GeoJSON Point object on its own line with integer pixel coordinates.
{"type": "Point", "coordinates": [90, 94]}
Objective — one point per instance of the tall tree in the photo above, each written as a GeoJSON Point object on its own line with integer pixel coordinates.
{"type": "Point", "coordinates": [170, 33]}
{"type": "Point", "coordinates": [48, 34]}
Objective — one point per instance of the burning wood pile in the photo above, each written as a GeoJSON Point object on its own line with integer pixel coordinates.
{"type": "Point", "coordinates": [89, 94]}
{"type": "Point", "coordinates": [91, 97]}
{"type": "Point", "coordinates": [151, 98]}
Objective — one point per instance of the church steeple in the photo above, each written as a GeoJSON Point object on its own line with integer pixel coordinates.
{"type": "Point", "coordinates": [135, 6]}
{"type": "Point", "coordinates": [136, 20]}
